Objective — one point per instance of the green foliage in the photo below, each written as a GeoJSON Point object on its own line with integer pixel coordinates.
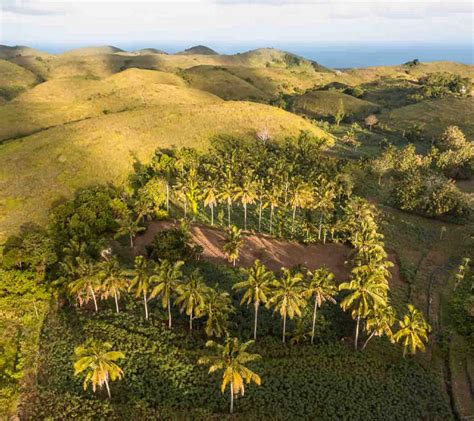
{"type": "Point", "coordinates": [173, 244]}
{"type": "Point", "coordinates": [437, 85]}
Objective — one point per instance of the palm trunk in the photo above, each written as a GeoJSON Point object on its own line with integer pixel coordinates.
{"type": "Point", "coordinates": [167, 197]}
{"type": "Point", "coordinates": [271, 219]}
{"type": "Point", "coordinates": [245, 216]}
{"type": "Point", "coordinates": [368, 339]}
{"type": "Point", "coordinates": [212, 214]}
{"type": "Point", "coordinates": [314, 321]}
{"type": "Point", "coordinates": [228, 213]}
{"type": "Point", "coordinates": [233, 262]}
{"type": "Point", "coordinates": [255, 322]}
{"type": "Point", "coordinates": [116, 302]}
{"type": "Point", "coordinates": [191, 321]}
{"type": "Point", "coordinates": [284, 327]}
{"type": "Point", "coordinates": [357, 332]}
{"type": "Point", "coordinates": [320, 224]}
{"type": "Point", "coordinates": [260, 217]}
{"type": "Point", "coordinates": [294, 216]}
{"type": "Point", "coordinates": [185, 210]}
{"type": "Point", "coordinates": [169, 314]}
{"type": "Point", "coordinates": [231, 397]}
{"type": "Point", "coordinates": [145, 304]}
{"type": "Point", "coordinates": [94, 299]}
{"type": "Point", "coordinates": [131, 241]}
{"type": "Point", "coordinates": [108, 388]}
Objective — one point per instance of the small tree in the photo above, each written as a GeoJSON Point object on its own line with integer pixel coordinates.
{"type": "Point", "coordinates": [371, 120]}
{"type": "Point", "coordinates": [97, 359]}
{"type": "Point", "coordinates": [192, 296]}
{"type": "Point", "coordinates": [340, 113]}
{"type": "Point", "coordinates": [233, 243]}
{"type": "Point", "coordinates": [413, 331]}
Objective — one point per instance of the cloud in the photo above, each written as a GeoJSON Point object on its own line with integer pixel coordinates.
{"type": "Point", "coordinates": [271, 2]}
{"type": "Point", "coordinates": [27, 7]}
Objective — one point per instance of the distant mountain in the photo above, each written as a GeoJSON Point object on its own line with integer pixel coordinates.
{"type": "Point", "coordinates": [101, 49]}
{"type": "Point", "coordinates": [150, 51]}
{"type": "Point", "coordinates": [201, 50]}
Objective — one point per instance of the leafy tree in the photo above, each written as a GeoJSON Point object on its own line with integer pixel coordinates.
{"type": "Point", "coordinates": [413, 331]}
{"type": "Point", "coordinates": [172, 244]}
{"type": "Point", "coordinates": [151, 198]}
{"type": "Point", "coordinates": [217, 309]}
{"type": "Point", "coordinates": [371, 120]}
{"type": "Point", "coordinates": [113, 280]}
{"type": "Point", "coordinates": [322, 288]}
{"type": "Point", "coordinates": [287, 296]}
{"type": "Point", "coordinates": [233, 243]}
{"type": "Point", "coordinates": [340, 113]}
{"type": "Point", "coordinates": [141, 281]}
{"type": "Point", "coordinates": [379, 322]}
{"type": "Point", "coordinates": [256, 287]}
{"type": "Point", "coordinates": [98, 361]}
{"type": "Point", "coordinates": [232, 359]}
{"type": "Point", "coordinates": [192, 295]}
{"type": "Point", "coordinates": [166, 283]}
{"type": "Point", "coordinates": [128, 224]}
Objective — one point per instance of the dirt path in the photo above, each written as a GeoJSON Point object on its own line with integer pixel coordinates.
{"type": "Point", "coordinates": [273, 253]}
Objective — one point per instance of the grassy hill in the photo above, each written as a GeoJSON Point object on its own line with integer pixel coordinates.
{"type": "Point", "coordinates": [324, 104]}
{"type": "Point", "coordinates": [102, 49]}
{"type": "Point", "coordinates": [199, 50]}
{"type": "Point", "coordinates": [14, 79]}
{"type": "Point", "coordinates": [433, 116]}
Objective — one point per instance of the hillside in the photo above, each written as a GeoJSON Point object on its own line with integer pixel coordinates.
{"type": "Point", "coordinates": [85, 51]}
{"type": "Point", "coordinates": [199, 50]}
{"type": "Point", "coordinates": [14, 79]}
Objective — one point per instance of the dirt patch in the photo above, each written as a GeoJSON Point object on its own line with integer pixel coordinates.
{"type": "Point", "coordinates": [273, 253]}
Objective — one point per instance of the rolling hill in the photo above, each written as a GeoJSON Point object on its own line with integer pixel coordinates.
{"type": "Point", "coordinates": [199, 50]}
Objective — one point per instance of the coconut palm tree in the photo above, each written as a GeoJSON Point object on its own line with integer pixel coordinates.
{"type": "Point", "coordinates": [247, 193]}
{"type": "Point", "coordinates": [325, 195]}
{"type": "Point", "coordinates": [218, 306]}
{"type": "Point", "coordinates": [302, 197]}
{"type": "Point", "coordinates": [227, 192]}
{"type": "Point", "coordinates": [287, 296]}
{"type": "Point", "coordinates": [141, 281]}
{"type": "Point", "coordinates": [192, 296]}
{"type": "Point", "coordinates": [113, 280]}
{"type": "Point", "coordinates": [166, 283]}
{"type": "Point", "coordinates": [322, 288]}
{"type": "Point", "coordinates": [232, 359]}
{"type": "Point", "coordinates": [379, 322]}
{"type": "Point", "coordinates": [210, 197]}
{"type": "Point", "coordinates": [164, 165]}
{"type": "Point", "coordinates": [256, 287]}
{"type": "Point", "coordinates": [98, 361]}
{"type": "Point", "coordinates": [86, 282]}
{"type": "Point", "coordinates": [273, 198]}
{"type": "Point", "coordinates": [367, 290]}
{"type": "Point", "coordinates": [233, 243]}
{"type": "Point", "coordinates": [413, 331]}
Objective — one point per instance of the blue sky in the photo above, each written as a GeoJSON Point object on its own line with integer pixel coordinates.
{"type": "Point", "coordinates": [234, 22]}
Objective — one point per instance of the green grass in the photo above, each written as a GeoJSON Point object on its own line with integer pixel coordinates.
{"type": "Point", "coordinates": [14, 80]}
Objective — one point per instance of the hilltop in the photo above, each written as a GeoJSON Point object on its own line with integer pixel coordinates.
{"type": "Point", "coordinates": [199, 50]}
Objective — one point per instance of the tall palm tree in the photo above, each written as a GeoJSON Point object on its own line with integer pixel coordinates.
{"type": "Point", "coordinates": [113, 280]}
{"type": "Point", "coordinates": [256, 287]}
{"type": "Point", "coordinates": [192, 296]}
{"type": "Point", "coordinates": [166, 283]}
{"type": "Point", "coordinates": [247, 193]}
{"type": "Point", "coordinates": [227, 192]}
{"type": "Point", "coordinates": [413, 331]}
{"type": "Point", "coordinates": [233, 243]}
{"type": "Point", "coordinates": [217, 309]}
{"type": "Point", "coordinates": [379, 322]}
{"type": "Point", "coordinates": [325, 195]}
{"type": "Point", "coordinates": [86, 282]}
{"type": "Point", "coordinates": [164, 165]}
{"type": "Point", "coordinates": [232, 358]}
{"type": "Point", "coordinates": [273, 197]}
{"type": "Point", "coordinates": [367, 290]}
{"type": "Point", "coordinates": [301, 198]}
{"type": "Point", "coordinates": [141, 281]}
{"type": "Point", "coordinates": [210, 197]}
{"type": "Point", "coordinates": [287, 296]}
{"type": "Point", "coordinates": [322, 288]}
{"type": "Point", "coordinates": [98, 360]}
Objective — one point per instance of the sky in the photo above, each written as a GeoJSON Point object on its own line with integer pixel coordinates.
{"type": "Point", "coordinates": [225, 23]}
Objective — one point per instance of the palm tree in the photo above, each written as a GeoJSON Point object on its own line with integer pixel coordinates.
{"type": "Point", "coordinates": [413, 331]}
{"type": "Point", "coordinates": [210, 197]}
{"type": "Point", "coordinates": [287, 296]}
{"type": "Point", "coordinates": [192, 296]}
{"type": "Point", "coordinates": [273, 197]}
{"type": "Point", "coordinates": [301, 198]}
{"type": "Point", "coordinates": [113, 280]}
{"type": "Point", "coordinates": [217, 308]}
{"type": "Point", "coordinates": [86, 283]}
{"type": "Point", "coordinates": [164, 165]}
{"type": "Point", "coordinates": [233, 243]}
{"type": "Point", "coordinates": [323, 288]}
{"type": "Point", "coordinates": [232, 358]}
{"type": "Point", "coordinates": [367, 290]}
{"type": "Point", "coordinates": [257, 288]}
{"type": "Point", "coordinates": [325, 196]}
{"type": "Point", "coordinates": [227, 192]}
{"type": "Point", "coordinates": [247, 193]}
{"type": "Point", "coordinates": [141, 281]}
{"type": "Point", "coordinates": [379, 322]}
{"type": "Point", "coordinates": [166, 283]}
{"type": "Point", "coordinates": [97, 359]}
{"type": "Point", "coordinates": [128, 226]}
